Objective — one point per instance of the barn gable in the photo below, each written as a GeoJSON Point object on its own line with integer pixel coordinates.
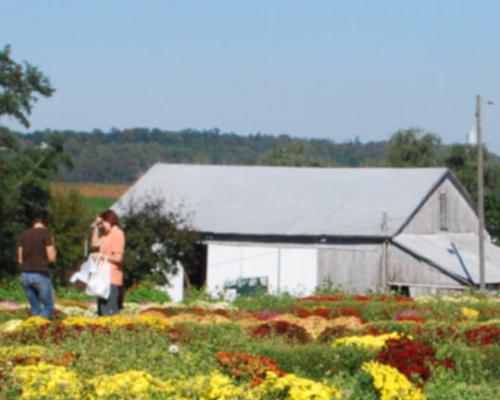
{"type": "Point", "coordinates": [447, 208]}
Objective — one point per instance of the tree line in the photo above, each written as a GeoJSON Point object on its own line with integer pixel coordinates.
{"type": "Point", "coordinates": [121, 156]}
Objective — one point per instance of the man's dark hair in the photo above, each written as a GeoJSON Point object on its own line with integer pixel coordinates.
{"type": "Point", "coordinates": [40, 216]}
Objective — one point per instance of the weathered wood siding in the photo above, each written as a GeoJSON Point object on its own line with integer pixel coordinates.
{"type": "Point", "coordinates": [405, 270]}
{"type": "Point", "coordinates": [460, 217]}
{"type": "Point", "coordinates": [355, 268]}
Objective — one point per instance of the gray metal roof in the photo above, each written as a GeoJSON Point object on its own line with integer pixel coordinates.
{"type": "Point", "coordinates": [438, 248]}
{"type": "Point", "coordinates": [256, 200]}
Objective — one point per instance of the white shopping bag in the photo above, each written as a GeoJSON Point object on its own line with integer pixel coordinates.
{"type": "Point", "coordinates": [86, 269]}
{"type": "Point", "coordinates": [99, 283]}
{"type": "Point", "coordinates": [95, 273]}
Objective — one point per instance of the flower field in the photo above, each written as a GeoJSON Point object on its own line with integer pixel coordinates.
{"type": "Point", "coordinates": [319, 347]}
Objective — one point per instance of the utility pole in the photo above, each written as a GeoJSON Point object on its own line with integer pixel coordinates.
{"type": "Point", "coordinates": [480, 193]}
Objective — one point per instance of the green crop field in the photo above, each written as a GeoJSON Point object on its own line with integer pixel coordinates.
{"type": "Point", "coordinates": [96, 205]}
{"type": "Point", "coordinates": [96, 197]}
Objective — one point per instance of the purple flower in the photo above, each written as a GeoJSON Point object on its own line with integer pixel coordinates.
{"type": "Point", "coordinates": [264, 315]}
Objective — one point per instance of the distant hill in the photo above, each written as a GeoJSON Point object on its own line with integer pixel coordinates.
{"type": "Point", "coordinates": [122, 156]}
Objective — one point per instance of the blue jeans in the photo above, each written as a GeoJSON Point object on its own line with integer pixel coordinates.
{"type": "Point", "coordinates": [39, 291]}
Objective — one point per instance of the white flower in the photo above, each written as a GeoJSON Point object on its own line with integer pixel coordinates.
{"type": "Point", "coordinates": [11, 326]}
{"type": "Point", "coordinates": [173, 348]}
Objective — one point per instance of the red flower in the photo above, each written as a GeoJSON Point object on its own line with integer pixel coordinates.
{"type": "Point", "coordinates": [286, 329]}
{"type": "Point", "coordinates": [302, 312]}
{"type": "Point", "coordinates": [483, 335]}
{"type": "Point", "coordinates": [412, 358]}
{"type": "Point", "coordinates": [321, 298]}
{"type": "Point", "coordinates": [347, 312]}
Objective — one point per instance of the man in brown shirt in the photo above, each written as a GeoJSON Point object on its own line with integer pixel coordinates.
{"type": "Point", "coordinates": [36, 249]}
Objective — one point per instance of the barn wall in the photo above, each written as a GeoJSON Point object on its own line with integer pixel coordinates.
{"type": "Point", "coordinates": [354, 268]}
{"type": "Point", "coordinates": [459, 215]}
{"type": "Point", "coordinates": [287, 268]}
{"type": "Point", "coordinates": [405, 270]}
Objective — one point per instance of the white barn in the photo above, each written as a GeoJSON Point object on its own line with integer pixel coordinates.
{"type": "Point", "coordinates": [294, 229]}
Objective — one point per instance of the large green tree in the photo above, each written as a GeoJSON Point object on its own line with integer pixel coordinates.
{"type": "Point", "coordinates": [157, 239]}
{"type": "Point", "coordinates": [24, 168]}
{"type": "Point", "coordinates": [20, 86]}
{"type": "Point", "coordinates": [413, 148]}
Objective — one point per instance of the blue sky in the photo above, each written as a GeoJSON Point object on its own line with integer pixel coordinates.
{"type": "Point", "coordinates": [324, 69]}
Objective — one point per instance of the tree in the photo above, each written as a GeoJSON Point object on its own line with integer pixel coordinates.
{"type": "Point", "coordinates": [69, 225]}
{"type": "Point", "coordinates": [157, 239]}
{"type": "Point", "coordinates": [19, 86]}
{"type": "Point", "coordinates": [24, 169]}
{"type": "Point", "coordinates": [413, 148]}
{"type": "Point", "coordinates": [295, 153]}
{"type": "Point", "coordinates": [462, 161]}
{"type": "Point", "coordinates": [24, 188]}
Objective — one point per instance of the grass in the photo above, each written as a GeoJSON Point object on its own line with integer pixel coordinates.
{"type": "Point", "coordinates": [97, 205]}
{"type": "Point", "coordinates": [96, 197]}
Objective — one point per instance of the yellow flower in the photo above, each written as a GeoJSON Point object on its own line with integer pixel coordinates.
{"type": "Point", "coordinates": [470, 313]}
{"type": "Point", "coordinates": [7, 352]}
{"type": "Point", "coordinates": [367, 341]}
{"type": "Point", "coordinates": [119, 321]}
{"type": "Point", "coordinates": [17, 325]}
{"type": "Point", "coordinates": [296, 388]}
{"type": "Point", "coordinates": [391, 384]}
{"type": "Point", "coordinates": [129, 385]}
{"type": "Point", "coordinates": [47, 381]}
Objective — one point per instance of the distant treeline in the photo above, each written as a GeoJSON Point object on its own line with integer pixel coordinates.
{"type": "Point", "coordinates": [123, 155]}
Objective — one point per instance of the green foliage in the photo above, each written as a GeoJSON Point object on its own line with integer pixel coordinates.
{"type": "Point", "coordinates": [20, 84]}
{"type": "Point", "coordinates": [24, 168]}
{"type": "Point", "coordinates": [69, 225]}
{"type": "Point", "coordinates": [195, 294]}
{"type": "Point", "coordinates": [472, 364]}
{"type": "Point", "coordinates": [413, 148]}
{"type": "Point", "coordinates": [24, 188]}
{"type": "Point", "coordinates": [156, 242]}
{"type": "Point", "coordinates": [294, 153]}
{"type": "Point", "coordinates": [72, 293]}
{"type": "Point", "coordinates": [282, 302]}
{"type": "Point", "coordinates": [11, 290]}
{"type": "Point", "coordinates": [95, 153]}
{"type": "Point", "coordinates": [328, 287]}
{"type": "Point", "coordinates": [96, 205]}
{"type": "Point", "coordinates": [146, 292]}
{"type": "Point", "coordinates": [444, 385]}
{"type": "Point", "coordinates": [317, 361]}
{"type": "Point", "coordinates": [462, 160]}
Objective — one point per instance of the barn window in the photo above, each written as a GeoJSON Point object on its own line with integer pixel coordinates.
{"type": "Point", "coordinates": [443, 212]}
{"type": "Point", "coordinates": [400, 290]}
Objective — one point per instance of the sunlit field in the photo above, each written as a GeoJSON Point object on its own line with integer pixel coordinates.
{"type": "Point", "coordinates": [96, 197]}
{"type": "Point", "coordinates": [328, 346]}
